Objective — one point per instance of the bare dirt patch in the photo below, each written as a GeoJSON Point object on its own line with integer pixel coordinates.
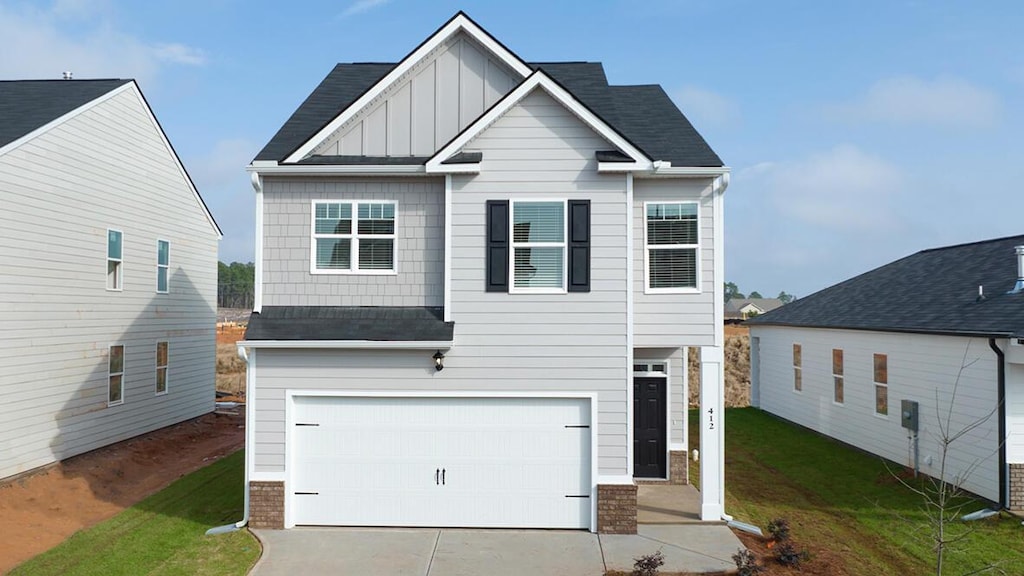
{"type": "Point", "coordinates": [230, 368]}
{"type": "Point", "coordinates": [737, 369]}
{"type": "Point", "coordinates": [40, 510]}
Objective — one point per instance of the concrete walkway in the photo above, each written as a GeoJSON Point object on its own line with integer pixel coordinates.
{"type": "Point", "coordinates": [463, 552]}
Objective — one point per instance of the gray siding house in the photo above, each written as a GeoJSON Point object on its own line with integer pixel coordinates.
{"type": "Point", "coordinates": [108, 273]}
{"type": "Point", "coordinates": [476, 281]}
{"type": "Point", "coordinates": [885, 360]}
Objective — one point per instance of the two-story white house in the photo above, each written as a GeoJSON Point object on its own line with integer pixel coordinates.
{"type": "Point", "coordinates": [108, 273]}
{"type": "Point", "coordinates": [476, 281]}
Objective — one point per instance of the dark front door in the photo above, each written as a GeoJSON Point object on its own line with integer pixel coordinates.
{"type": "Point", "coordinates": [649, 415]}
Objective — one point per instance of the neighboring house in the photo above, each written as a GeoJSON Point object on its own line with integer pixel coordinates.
{"type": "Point", "coordinates": [844, 360]}
{"type": "Point", "coordinates": [740, 309]}
{"type": "Point", "coordinates": [551, 241]}
{"type": "Point", "coordinates": [108, 273]}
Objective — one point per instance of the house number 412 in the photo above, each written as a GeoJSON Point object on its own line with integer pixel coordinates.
{"type": "Point", "coordinates": [711, 418]}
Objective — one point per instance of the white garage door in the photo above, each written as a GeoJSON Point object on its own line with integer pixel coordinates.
{"type": "Point", "coordinates": [471, 462]}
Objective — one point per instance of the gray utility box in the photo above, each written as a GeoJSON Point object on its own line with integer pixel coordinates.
{"type": "Point", "coordinates": [908, 414]}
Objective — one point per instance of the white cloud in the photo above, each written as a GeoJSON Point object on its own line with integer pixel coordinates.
{"type": "Point", "coordinates": [943, 101]}
{"type": "Point", "coordinates": [706, 108]}
{"type": "Point", "coordinates": [78, 35]}
{"type": "Point", "coordinates": [361, 6]}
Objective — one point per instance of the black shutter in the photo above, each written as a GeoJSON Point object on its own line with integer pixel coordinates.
{"type": "Point", "coordinates": [579, 245]}
{"type": "Point", "coordinates": [497, 246]}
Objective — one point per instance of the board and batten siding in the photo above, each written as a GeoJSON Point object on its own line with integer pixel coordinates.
{"type": "Point", "coordinates": [1014, 411]}
{"type": "Point", "coordinates": [428, 106]}
{"type": "Point", "coordinates": [674, 319]}
{"type": "Point", "coordinates": [105, 168]}
{"type": "Point", "coordinates": [419, 229]}
{"type": "Point", "coordinates": [920, 367]}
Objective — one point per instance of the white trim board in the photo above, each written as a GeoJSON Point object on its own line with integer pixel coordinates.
{"type": "Point", "coordinates": [537, 80]}
{"type": "Point", "coordinates": [349, 344]}
{"type": "Point", "coordinates": [459, 23]}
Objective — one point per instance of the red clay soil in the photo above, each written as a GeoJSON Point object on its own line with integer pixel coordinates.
{"type": "Point", "coordinates": [822, 562]}
{"type": "Point", "coordinates": [40, 510]}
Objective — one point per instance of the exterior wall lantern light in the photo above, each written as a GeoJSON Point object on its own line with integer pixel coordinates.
{"type": "Point", "coordinates": [438, 361]}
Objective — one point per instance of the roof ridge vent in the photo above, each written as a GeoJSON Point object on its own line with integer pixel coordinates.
{"type": "Point", "coordinates": [67, 75]}
{"type": "Point", "coordinates": [1019, 286]}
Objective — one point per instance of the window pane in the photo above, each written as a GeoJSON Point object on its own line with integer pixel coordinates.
{"type": "Point", "coordinates": [798, 383]}
{"type": "Point", "coordinates": [116, 359]}
{"type": "Point", "coordinates": [161, 380]}
{"type": "Point", "coordinates": [114, 389]}
{"type": "Point", "coordinates": [881, 368]}
{"type": "Point", "coordinates": [882, 399]}
{"type": "Point", "coordinates": [538, 267]}
{"type": "Point", "coordinates": [113, 244]}
{"type": "Point", "coordinates": [376, 254]}
{"type": "Point", "coordinates": [672, 224]}
{"type": "Point", "coordinates": [161, 279]}
{"type": "Point", "coordinates": [333, 218]}
{"type": "Point", "coordinates": [538, 222]}
{"type": "Point", "coordinates": [113, 274]}
{"type": "Point", "coordinates": [376, 226]}
{"type": "Point", "coordinates": [837, 361]}
{"type": "Point", "coordinates": [839, 389]}
{"type": "Point", "coordinates": [162, 252]}
{"type": "Point", "coordinates": [161, 353]}
{"type": "Point", "coordinates": [796, 355]}
{"type": "Point", "coordinates": [639, 367]}
{"type": "Point", "coordinates": [675, 268]}
{"type": "Point", "coordinates": [333, 253]}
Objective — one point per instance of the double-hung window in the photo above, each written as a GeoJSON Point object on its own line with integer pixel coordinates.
{"type": "Point", "coordinates": [538, 246]}
{"type": "Point", "coordinates": [672, 243]}
{"type": "Point", "coordinates": [837, 375]}
{"type": "Point", "coordinates": [115, 264]}
{"type": "Point", "coordinates": [353, 237]}
{"type": "Point", "coordinates": [161, 368]}
{"type": "Point", "coordinates": [881, 384]}
{"type": "Point", "coordinates": [163, 261]}
{"type": "Point", "coordinates": [798, 368]}
{"type": "Point", "coordinates": [115, 375]}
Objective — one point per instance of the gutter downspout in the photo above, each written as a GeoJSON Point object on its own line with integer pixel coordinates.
{"type": "Point", "coordinates": [1001, 395]}
{"type": "Point", "coordinates": [249, 409]}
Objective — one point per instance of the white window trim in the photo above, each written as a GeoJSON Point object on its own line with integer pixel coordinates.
{"type": "Point", "coordinates": [874, 391]}
{"type": "Point", "coordinates": [166, 267]}
{"type": "Point", "coordinates": [564, 245]}
{"type": "Point", "coordinates": [842, 376]}
{"type": "Point", "coordinates": [124, 360]}
{"type": "Point", "coordinates": [119, 284]}
{"type": "Point", "coordinates": [647, 252]}
{"type": "Point", "coordinates": [354, 236]}
{"type": "Point", "coordinates": [166, 367]}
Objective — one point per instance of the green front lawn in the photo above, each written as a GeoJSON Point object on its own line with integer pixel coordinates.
{"type": "Point", "coordinates": [845, 501]}
{"type": "Point", "coordinates": [164, 534]}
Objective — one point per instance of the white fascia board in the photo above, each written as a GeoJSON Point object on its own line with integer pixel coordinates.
{"type": "Point", "coordinates": [460, 23]}
{"type": "Point", "coordinates": [336, 169]}
{"type": "Point", "coordinates": [473, 168]}
{"type": "Point", "coordinates": [562, 96]}
{"type": "Point", "coordinates": [350, 344]}
{"type": "Point", "coordinates": [615, 167]}
{"type": "Point", "coordinates": [685, 172]}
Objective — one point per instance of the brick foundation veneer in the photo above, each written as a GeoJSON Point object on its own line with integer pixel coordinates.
{"type": "Point", "coordinates": [266, 505]}
{"type": "Point", "coordinates": [678, 467]}
{"type": "Point", "coordinates": [616, 509]}
{"type": "Point", "coordinates": [1017, 487]}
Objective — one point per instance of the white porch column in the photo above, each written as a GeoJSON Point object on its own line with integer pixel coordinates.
{"type": "Point", "coordinates": [712, 437]}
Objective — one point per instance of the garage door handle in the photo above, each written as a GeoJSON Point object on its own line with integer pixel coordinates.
{"type": "Point", "coordinates": [437, 471]}
{"type": "Point", "coordinates": [442, 476]}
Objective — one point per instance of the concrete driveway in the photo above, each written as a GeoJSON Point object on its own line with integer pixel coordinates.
{"type": "Point", "coordinates": [463, 552]}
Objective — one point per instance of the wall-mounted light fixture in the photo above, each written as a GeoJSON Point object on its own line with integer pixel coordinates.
{"type": "Point", "coordinates": [438, 361]}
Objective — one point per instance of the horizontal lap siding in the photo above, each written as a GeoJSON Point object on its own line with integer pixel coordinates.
{"type": "Point", "coordinates": [920, 366]}
{"type": "Point", "coordinates": [60, 192]}
{"type": "Point", "coordinates": [1014, 412]}
{"type": "Point", "coordinates": [674, 319]}
{"type": "Point", "coordinates": [287, 213]}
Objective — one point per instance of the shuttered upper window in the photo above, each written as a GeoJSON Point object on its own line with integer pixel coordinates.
{"type": "Point", "coordinates": [538, 245]}
{"type": "Point", "coordinates": [672, 245]}
{"type": "Point", "coordinates": [353, 237]}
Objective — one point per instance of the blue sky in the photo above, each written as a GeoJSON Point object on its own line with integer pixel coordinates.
{"type": "Point", "coordinates": [858, 132]}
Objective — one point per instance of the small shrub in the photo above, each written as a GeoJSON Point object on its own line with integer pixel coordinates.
{"type": "Point", "coordinates": [778, 529]}
{"type": "Point", "coordinates": [746, 563]}
{"type": "Point", "coordinates": [648, 564]}
{"type": "Point", "coordinates": [787, 555]}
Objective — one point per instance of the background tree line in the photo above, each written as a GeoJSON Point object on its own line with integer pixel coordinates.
{"type": "Point", "coordinates": [733, 291]}
{"type": "Point", "coordinates": [236, 285]}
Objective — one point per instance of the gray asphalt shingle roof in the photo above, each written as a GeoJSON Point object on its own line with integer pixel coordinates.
{"type": "Point", "coordinates": [644, 115]}
{"type": "Point", "coordinates": [389, 324]}
{"type": "Point", "coordinates": [932, 291]}
{"type": "Point", "coordinates": [26, 105]}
